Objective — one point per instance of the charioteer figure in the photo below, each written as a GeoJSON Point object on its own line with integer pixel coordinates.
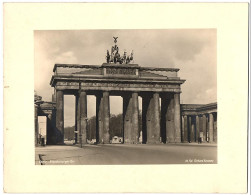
{"type": "Point", "coordinates": [108, 57]}
{"type": "Point", "coordinates": [115, 55]}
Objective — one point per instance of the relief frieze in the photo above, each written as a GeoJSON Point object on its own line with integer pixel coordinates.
{"type": "Point", "coordinates": [120, 85]}
{"type": "Point", "coordinates": [130, 85]}
{"type": "Point", "coordinates": [122, 71]}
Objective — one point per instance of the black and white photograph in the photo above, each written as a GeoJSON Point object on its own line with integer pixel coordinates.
{"type": "Point", "coordinates": [125, 97]}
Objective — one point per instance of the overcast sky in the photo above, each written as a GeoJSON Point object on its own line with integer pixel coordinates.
{"type": "Point", "coordinates": [193, 51]}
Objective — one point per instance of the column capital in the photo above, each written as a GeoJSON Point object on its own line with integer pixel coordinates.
{"type": "Point", "coordinates": [105, 91]}
{"type": "Point", "coordinates": [81, 90]}
{"type": "Point", "coordinates": [58, 90]}
{"type": "Point", "coordinates": [156, 94]}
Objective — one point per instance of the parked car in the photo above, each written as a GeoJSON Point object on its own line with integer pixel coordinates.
{"type": "Point", "coordinates": [117, 140]}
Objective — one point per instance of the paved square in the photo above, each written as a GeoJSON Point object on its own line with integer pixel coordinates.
{"type": "Point", "coordinates": [121, 154]}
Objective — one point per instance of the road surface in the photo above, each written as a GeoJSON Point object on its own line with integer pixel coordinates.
{"type": "Point", "coordinates": [120, 154]}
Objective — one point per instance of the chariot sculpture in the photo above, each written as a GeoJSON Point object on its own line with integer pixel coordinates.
{"type": "Point", "coordinates": [115, 56]}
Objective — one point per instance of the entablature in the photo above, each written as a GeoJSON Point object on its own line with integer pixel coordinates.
{"type": "Point", "coordinates": [198, 109]}
{"type": "Point", "coordinates": [122, 77]}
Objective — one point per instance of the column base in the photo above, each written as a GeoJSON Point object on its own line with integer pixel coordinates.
{"type": "Point", "coordinates": [60, 143]}
{"type": "Point", "coordinates": [78, 145]}
{"type": "Point", "coordinates": [152, 142]}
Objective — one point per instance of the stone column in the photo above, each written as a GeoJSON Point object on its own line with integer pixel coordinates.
{"type": "Point", "coordinates": [204, 127]}
{"type": "Point", "coordinates": [182, 128]}
{"type": "Point", "coordinates": [201, 124]}
{"type": "Point", "coordinates": [49, 133]}
{"type": "Point", "coordinates": [60, 116]}
{"type": "Point", "coordinates": [127, 119]}
{"type": "Point", "coordinates": [197, 127]}
{"type": "Point", "coordinates": [192, 129]}
{"type": "Point", "coordinates": [185, 129]}
{"type": "Point", "coordinates": [36, 124]}
{"type": "Point", "coordinates": [131, 118]}
{"type": "Point", "coordinates": [106, 118]}
{"type": "Point", "coordinates": [189, 128]}
{"type": "Point", "coordinates": [76, 118]}
{"type": "Point", "coordinates": [215, 128]}
{"type": "Point", "coordinates": [211, 127]}
{"type": "Point", "coordinates": [167, 118]}
{"type": "Point", "coordinates": [177, 117]}
{"type": "Point", "coordinates": [153, 120]}
{"type": "Point", "coordinates": [83, 117]}
{"type": "Point", "coordinates": [135, 116]}
{"type": "Point", "coordinates": [164, 102]}
{"type": "Point", "coordinates": [99, 119]}
{"type": "Point", "coordinates": [156, 117]}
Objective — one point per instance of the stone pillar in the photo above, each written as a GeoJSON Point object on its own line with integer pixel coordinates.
{"type": "Point", "coordinates": [185, 129]}
{"type": "Point", "coordinates": [131, 118]}
{"type": "Point", "coordinates": [189, 128]}
{"type": "Point", "coordinates": [36, 124]}
{"type": "Point", "coordinates": [177, 117]}
{"type": "Point", "coordinates": [153, 120]}
{"type": "Point", "coordinates": [49, 133]}
{"type": "Point", "coordinates": [135, 116]}
{"type": "Point", "coordinates": [60, 116]}
{"type": "Point", "coordinates": [215, 128]}
{"type": "Point", "coordinates": [197, 127]}
{"type": "Point", "coordinates": [204, 127]}
{"type": "Point", "coordinates": [193, 130]}
{"type": "Point", "coordinates": [211, 127]}
{"type": "Point", "coordinates": [156, 117]}
{"type": "Point", "coordinates": [164, 103]}
{"type": "Point", "coordinates": [127, 119]}
{"type": "Point", "coordinates": [76, 118]}
{"type": "Point", "coordinates": [99, 119]}
{"type": "Point", "coordinates": [106, 117]}
{"type": "Point", "coordinates": [182, 128]}
{"type": "Point", "coordinates": [167, 118]}
{"type": "Point", "coordinates": [83, 117]}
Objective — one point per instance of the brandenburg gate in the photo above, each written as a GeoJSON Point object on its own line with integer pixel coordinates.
{"type": "Point", "coordinates": [161, 121]}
